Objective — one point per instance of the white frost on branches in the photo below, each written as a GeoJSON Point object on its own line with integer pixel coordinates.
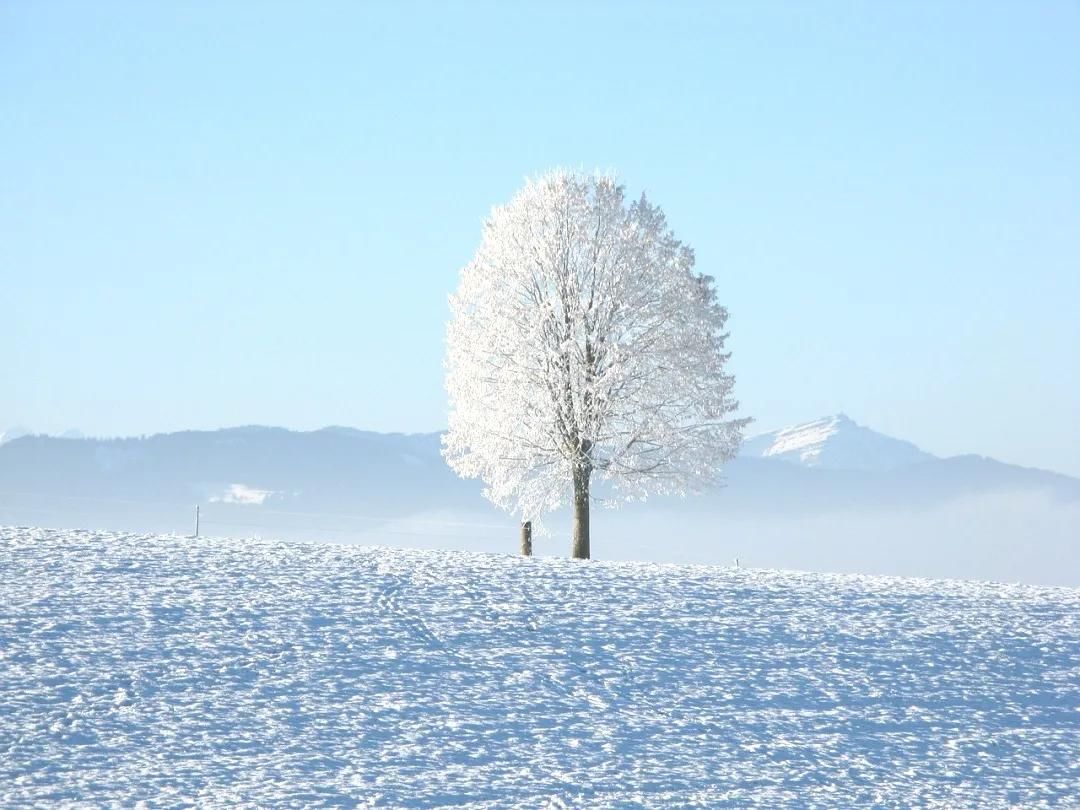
{"type": "Point", "coordinates": [582, 339]}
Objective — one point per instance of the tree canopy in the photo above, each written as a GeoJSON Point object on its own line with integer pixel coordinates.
{"type": "Point", "coordinates": [582, 342]}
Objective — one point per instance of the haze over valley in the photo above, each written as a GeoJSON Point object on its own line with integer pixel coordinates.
{"type": "Point", "coordinates": [825, 495]}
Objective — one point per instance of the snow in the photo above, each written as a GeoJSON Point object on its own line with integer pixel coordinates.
{"type": "Point", "coordinates": [834, 442]}
{"type": "Point", "coordinates": [806, 440]}
{"type": "Point", "coordinates": [227, 673]}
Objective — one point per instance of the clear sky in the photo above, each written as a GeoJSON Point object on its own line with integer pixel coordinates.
{"type": "Point", "coordinates": [230, 213]}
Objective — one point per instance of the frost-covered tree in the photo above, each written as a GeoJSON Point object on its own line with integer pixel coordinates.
{"type": "Point", "coordinates": [582, 342]}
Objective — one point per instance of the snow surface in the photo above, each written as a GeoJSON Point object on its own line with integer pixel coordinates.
{"type": "Point", "coordinates": [228, 673]}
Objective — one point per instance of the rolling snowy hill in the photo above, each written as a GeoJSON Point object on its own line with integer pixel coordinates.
{"type": "Point", "coordinates": [243, 674]}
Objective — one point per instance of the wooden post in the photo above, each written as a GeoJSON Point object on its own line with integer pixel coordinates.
{"type": "Point", "coordinates": [196, 520]}
{"type": "Point", "coordinates": [526, 538]}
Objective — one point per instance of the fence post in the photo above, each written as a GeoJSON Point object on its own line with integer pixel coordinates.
{"type": "Point", "coordinates": [526, 538]}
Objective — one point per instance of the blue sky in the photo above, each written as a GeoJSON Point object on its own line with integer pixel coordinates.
{"type": "Point", "coordinates": [219, 214]}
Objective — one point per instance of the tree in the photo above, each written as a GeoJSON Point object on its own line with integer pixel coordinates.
{"type": "Point", "coordinates": [583, 343]}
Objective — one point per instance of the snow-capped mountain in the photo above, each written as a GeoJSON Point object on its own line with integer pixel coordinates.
{"type": "Point", "coordinates": [834, 443]}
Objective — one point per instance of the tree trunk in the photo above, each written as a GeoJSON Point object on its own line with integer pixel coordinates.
{"type": "Point", "coordinates": [526, 538]}
{"type": "Point", "coordinates": [581, 513]}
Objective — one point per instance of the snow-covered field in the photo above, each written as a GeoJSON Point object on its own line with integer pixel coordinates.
{"type": "Point", "coordinates": [240, 673]}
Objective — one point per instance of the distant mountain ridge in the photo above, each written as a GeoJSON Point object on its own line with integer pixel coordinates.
{"type": "Point", "coordinates": [823, 495]}
{"type": "Point", "coordinates": [11, 434]}
{"type": "Point", "coordinates": [335, 467]}
{"type": "Point", "coordinates": [327, 468]}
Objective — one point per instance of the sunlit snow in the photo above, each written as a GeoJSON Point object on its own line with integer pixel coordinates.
{"type": "Point", "coordinates": [250, 673]}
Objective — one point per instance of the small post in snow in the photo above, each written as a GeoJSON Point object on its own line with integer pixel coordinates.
{"type": "Point", "coordinates": [526, 538]}
{"type": "Point", "coordinates": [196, 520]}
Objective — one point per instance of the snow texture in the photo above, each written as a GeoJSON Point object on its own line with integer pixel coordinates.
{"type": "Point", "coordinates": [221, 673]}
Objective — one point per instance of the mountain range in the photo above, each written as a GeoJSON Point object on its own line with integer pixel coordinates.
{"type": "Point", "coordinates": [828, 494]}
